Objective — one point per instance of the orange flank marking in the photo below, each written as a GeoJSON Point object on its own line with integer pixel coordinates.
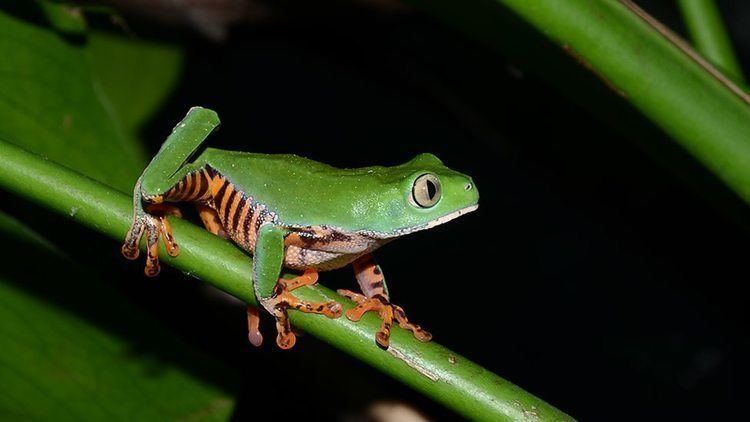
{"type": "Point", "coordinates": [224, 199]}
{"type": "Point", "coordinates": [197, 186]}
{"type": "Point", "coordinates": [187, 188]}
{"type": "Point", "coordinates": [216, 185]}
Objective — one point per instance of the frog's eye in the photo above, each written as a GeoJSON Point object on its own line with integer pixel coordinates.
{"type": "Point", "coordinates": [426, 191]}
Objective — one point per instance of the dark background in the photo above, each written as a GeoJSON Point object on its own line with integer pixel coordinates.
{"type": "Point", "coordinates": [613, 267]}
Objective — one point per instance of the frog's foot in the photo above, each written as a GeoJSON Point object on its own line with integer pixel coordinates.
{"type": "Point", "coordinates": [283, 299]}
{"type": "Point", "coordinates": [153, 224]}
{"type": "Point", "coordinates": [387, 312]}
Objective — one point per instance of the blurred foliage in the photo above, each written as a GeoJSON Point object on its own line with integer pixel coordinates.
{"type": "Point", "coordinates": [56, 365]}
{"type": "Point", "coordinates": [72, 96]}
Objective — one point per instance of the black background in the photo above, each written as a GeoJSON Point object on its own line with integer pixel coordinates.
{"type": "Point", "coordinates": [613, 269]}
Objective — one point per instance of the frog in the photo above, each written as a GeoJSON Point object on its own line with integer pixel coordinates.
{"type": "Point", "coordinates": [295, 213]}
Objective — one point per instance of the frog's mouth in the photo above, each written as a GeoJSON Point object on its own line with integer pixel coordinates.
{"type": "Point", "coordinates": [436, 222]}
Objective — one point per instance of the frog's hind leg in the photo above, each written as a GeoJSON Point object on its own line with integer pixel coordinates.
{"type": "Point", "coordinates": [210, 218]}
{"type": "Point", "coordinates": [375, 298]}
{"type": "Point", "coordinates": [211, 221]}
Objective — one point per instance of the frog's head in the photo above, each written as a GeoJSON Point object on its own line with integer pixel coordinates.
{"type": "Point", "coordinates": [424, 193]}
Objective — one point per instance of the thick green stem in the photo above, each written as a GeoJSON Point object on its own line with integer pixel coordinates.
{"type": "Point", "coordinates": [709, 35]}
{"type": "Point", "coordinates": [428, 367]}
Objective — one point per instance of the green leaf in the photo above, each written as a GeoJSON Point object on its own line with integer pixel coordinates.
{"type": "Point", "coordinates": [67, 19]}
{"type": "Point", "coordinates": [136, 74]}
{"type": "Point", "coordinates": [53, 104]}
{"type": "Point", "coordinates": [81, 101]}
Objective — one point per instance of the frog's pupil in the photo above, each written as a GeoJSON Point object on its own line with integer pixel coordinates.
{"type": "Point", "coordinates": [431, 190]}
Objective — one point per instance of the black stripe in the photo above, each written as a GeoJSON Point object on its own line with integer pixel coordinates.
{"type": "Point", "coordinates": [236, 217]}
{"type": "Point", "coordinates": [199, 182]}
{"type": "Point", "coordinates": [229, 205]}
{"type": "Point", "coordinates": [176, 189]}
{"type": "Point", "coordinates": [220, 194]}
{"type": "Point", "coordinates": [185, 191]}
{"type": "Point", "coordinates": [207, 187]}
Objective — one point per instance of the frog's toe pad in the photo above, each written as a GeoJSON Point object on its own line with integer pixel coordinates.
{"type": "Point", "coordinates": [130, 246]}
{"type": "Point", "coordinates": [403, 322]}
{"type": "Point", "coordinates": [285, 338]}
{"type": "Point", "coordinates": [387, 313]}
{"type": "Point", "coordinates": [253, 327]}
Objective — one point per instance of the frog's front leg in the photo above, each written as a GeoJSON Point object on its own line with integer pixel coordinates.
{"type": "Point", "coordinates": [274, 293]}
{"type": "Point", "coordinates": [371, 281]}
{"type": "Point", "coordinates": [168, 178]}
{"type": "Point", "coordinates": [150, 220]}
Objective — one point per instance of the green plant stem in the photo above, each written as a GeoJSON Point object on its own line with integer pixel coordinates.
{"type": "Point", "coordinates": [428, 367]}
{"type": "Point", "coordinates": [639, 59]}
{"type": "Point", "coordinates": [709, 35]}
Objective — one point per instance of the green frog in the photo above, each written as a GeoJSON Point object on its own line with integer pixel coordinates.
{"type": "Point", "coordinates": [292, 212]}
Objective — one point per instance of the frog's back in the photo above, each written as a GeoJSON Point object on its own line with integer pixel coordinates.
{"type": "Point", "coordinates": [300, 191]}
{"type": "Point", "coordinates": [246, 169]}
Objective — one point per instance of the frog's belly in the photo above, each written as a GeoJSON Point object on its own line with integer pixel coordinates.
{"type": "Point", "coordinates": [326, 248]}
{"type": "Point", "coordinates": [298, 258]}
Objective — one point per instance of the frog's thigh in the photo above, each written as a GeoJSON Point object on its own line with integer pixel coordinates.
{"type": "Point", "coordinates": [370, 277]}
{"type": "Point", "coordinates": [210, 219]}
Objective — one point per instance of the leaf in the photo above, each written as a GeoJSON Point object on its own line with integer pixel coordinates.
{"type": "Point", "coordinates": [53, 104]}
{"type": "Point", "coordinates": [135, 74]}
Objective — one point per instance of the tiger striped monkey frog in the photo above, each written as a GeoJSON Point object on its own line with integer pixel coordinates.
{"type": "Point", "coordinates": [293, 212]}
